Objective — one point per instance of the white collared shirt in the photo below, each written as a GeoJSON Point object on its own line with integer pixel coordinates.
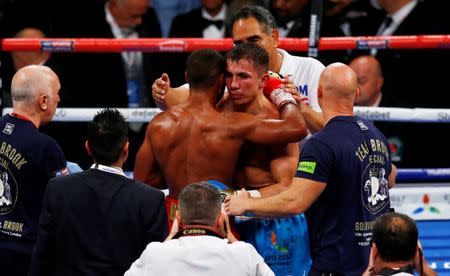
{"type": "Point", "coordinates": [283, 32]}
{"type": "Point", "coordinates": [397, 18]}
{"type": "Point", "coordinates": [212, 31]}
{"type": "Point", "coordinates": [199, 255]}
{"type": "Point", "coordinates": [130, 59]}
{"type": "Point", "coordinates": [109, 169]}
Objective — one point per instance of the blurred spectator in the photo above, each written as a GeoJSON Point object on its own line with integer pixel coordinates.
{"type": "Point", "coordinates": [405, 139]}
{"type": "Point", "coordinates": [167, 10]}
{"type": "Point", "coordinates": [208, 21]}
{"type": "Point", "coordinates": [406, 76]}
{"type": "Point", "coordinates": [98, 221]}
{"type": "Point", "coordinates": [292, 17]}
{"type": "Point", "coordinates": [106, 79]}
{"type": "Point", "coordinates": [370, 80]}
{"type": "Point", "coordinates": [21, 59]}
{"type": "Point", "coordinates": [293, 20]}
{"type": "Point", "coordinates": [204, 245]}
{"type": "Point", "coordinates": [395, 247]}
{"type": "Point", "coordinates": [28, 160]}
{"type": "Point", "coordinates": [236, 5]}
{"type": "Point", "coordinates": [24, 58]}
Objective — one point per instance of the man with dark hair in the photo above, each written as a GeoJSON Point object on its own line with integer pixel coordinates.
{"type": "Point", "coordinates": [204, 245]}
{"type": "Point", "coordinates": [98, 221]}
{"type": "Point", "coordinates": [194, 142]}
{"type": "Point", "coordinates": [395, 247]}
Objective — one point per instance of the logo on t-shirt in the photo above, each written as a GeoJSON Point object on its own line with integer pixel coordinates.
{"type": "Point", "coordinates": [362, 125]}
{"type": "Point", "coordinates": [306, 166]}
{"type": "Point", "coordinates": [8, 192]}
{"type": "Point", "coordinates": [8, 128]}
{"type": "Point", "coordinates": [375, 192]}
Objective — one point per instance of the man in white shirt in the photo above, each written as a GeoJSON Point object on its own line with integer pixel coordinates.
{"type": "Point", "coordinates": [204, 245]}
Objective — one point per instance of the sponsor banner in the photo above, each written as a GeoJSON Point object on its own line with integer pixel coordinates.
{"type": "Point", "coordinates": [173, 45]}
{"type": "Point", "coordinates": [57, 46]}
{"type": "Point", "coordinates": [422, 203]}
{"type": "Point", "coordinates": [371, 44]}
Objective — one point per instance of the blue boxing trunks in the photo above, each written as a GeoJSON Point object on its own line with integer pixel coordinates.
{"type": "Point", "coordinates": [282, 242]}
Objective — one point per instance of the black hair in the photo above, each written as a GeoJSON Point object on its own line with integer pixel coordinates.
{"type": "Point", "coordinates": [204, 67]}
{"type": "Point", "coordinates": [107, 134]}
{"type": "Point", "coordinates": [251, 52]}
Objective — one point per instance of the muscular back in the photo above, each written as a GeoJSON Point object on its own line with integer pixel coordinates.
{"type": "Point", "coordinates": [192, 145]}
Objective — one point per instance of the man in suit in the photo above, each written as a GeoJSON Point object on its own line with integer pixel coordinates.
{"type": "Point", "coordinates": [207, 22]}
{"type": "Point", "coordinates": [412, 74]}
{"type": "Point", "coordinates": [105, 79]}
{"type": "Point", "coordinates": [97, 222]}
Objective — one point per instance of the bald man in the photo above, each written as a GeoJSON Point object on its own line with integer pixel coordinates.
{"type": "Point", "coordinates": [28, 159]}
{"type": "Point", "coordinates": [370, 80]}
{"type": "Point", "coordinates": [342, 181]}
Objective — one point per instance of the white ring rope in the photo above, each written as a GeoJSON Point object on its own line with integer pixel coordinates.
{"type": "Point", "coordinates": [394, 114]}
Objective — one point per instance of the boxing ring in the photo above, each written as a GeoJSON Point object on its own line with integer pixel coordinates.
{"type": "Point", "coordinates": [423, 194]}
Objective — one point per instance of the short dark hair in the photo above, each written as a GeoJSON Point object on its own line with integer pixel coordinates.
{"type": "Point", "coordinates": [203, 67]}
{"type": "Point", "coordinates": [257, 55]}
{"type": "Point", "coordinates": [107, 133]}
{"type": "Point", "coordinates": [395, 236]}
{"type": "Point", "coordinates": [199, 203]}
{"type": "Point", "coordinates": [263, 16]}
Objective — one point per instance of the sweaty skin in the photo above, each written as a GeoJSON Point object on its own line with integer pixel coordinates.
{"type": "Point", "coordinates": [193, 142]}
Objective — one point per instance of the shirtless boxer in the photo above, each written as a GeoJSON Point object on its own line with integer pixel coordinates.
{"type": "Point", "coordinates": [270, 169]}
{"type": "Point", "coordinates": [193, 142]}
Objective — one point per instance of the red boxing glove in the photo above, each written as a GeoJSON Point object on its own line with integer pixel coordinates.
{"type": "Point", "coordinates": [273, 91]}
{"type": "Point", "coordinates": [272, 83]}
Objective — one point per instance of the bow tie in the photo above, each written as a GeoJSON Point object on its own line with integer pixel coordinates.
{"type": "Point", "coordinates": [206, 23]}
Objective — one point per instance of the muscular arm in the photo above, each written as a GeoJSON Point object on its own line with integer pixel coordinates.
{"type": "Point", "coordinates": [314, 120]}
{"type": "Point", "coordinates": [282, 169]}
{"type": "Point", "coordinates": [146, 168]}
{"type": "Point", "coordinates": [166, 96]}
{"type": "Point", "coordinates": [291, 127]}
{"type": "Point", "coordinates": [177, 95]}
{"type": "Point", "coordinates": [295, 200]}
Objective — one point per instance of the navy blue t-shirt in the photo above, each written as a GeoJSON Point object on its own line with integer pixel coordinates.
{"type": "Point", "coordinates": [352, 158]}
{"type": "Point", "coordinates": [28, 159]}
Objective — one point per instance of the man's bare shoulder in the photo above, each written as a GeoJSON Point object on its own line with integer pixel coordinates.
{"type": "Point", "coordinates": [168, 117]}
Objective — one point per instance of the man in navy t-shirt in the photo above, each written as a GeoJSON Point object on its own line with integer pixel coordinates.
{"type": "Point", "coordinates": [342, 179]}
{"type": "Point", "coordinates": [28, 159]}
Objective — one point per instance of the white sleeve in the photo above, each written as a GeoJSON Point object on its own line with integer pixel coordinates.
{"type": "Point", "coordinates": [141, 265]}
{"type": "Point", "coordinates": [259, 267]}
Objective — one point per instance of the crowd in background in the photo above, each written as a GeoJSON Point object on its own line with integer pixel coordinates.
{"type": "Point", "coordinates": [412, 77]}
